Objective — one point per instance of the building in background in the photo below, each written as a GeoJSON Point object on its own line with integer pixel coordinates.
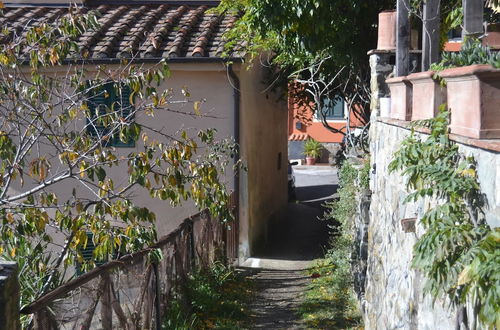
{"type": "Point", "coordinates": [304, 123]}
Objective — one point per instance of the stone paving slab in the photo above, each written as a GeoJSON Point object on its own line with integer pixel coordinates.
{"type": "Point", "coordinates": [276, 264]}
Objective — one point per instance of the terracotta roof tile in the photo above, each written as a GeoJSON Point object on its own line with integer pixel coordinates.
{"type": "Point", "coordinates": [298, 137]}
{"type": "Point", "coordinates": [136, 30]}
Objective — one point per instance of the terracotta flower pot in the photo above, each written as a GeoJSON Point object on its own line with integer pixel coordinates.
{"type": "Point", "coordinates": [492, 37]}
{"type": "Point", "coordinates": [387, 30]}
{"type": "Point", "coordinates": [427, 95]}
{"type": "Point", "coordinates": [310, 160]}
{"type": "Point", "coordinates": [473, 94]}
{"type": "Point", "coordinates": [401, 99]}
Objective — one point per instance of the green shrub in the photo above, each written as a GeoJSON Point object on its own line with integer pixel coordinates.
{"type": "Point", "coordinates": [331, 302]}
{"type": "Point", "coordinates": [312, 148]}
{"type": "Point", "coordinates": [459, 253]}
{"type": "Point", "coordinates": [472, 52]}
{"type": "Point", "coordinates": [216, 299]}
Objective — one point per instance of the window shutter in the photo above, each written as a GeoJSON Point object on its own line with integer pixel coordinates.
{"type": "Point", "coordinates": [104, 100]}
{"type": "Point", "coordinates": [125, 103]}
{"type": "Point", "coordinates": [89, 249]}
{"type": "Point", "coordinates": [338, 107]}
{"type": "Point", "coordinates": [97, 106]}
{"type": "Point", "coordinates": [333, 109]}
{"type": "Point", "coordinates": [126, 109]}
{"type": "Point", "coordinates": [87, 253]}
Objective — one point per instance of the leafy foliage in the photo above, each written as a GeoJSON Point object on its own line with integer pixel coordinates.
{"type": "Point", "coordinates": [459, 252]}
{"type": "Point", "coordinates": [300, 31]}
{"type": "Point", "coordinates": [472, 52]}
{"type": "Point", "coordinates": [331, 301]}
{"type": "Point", "coordinates": [312, 148]}
{"type": "Point", "coordinates": [323, 41]}
{"type": "Point", "coordinates": [60, 177]}
{"type": "Point", "coordinates": [216, 298]}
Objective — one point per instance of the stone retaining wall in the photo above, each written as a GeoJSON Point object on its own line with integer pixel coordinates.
{"type": "Point", "coordinates": [393, 291]}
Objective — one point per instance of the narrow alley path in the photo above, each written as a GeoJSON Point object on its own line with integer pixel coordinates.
{"type": "Point", "coordinates": [294, 241]}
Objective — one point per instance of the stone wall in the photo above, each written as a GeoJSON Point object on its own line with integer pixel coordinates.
{"type": "Point", "coordinates": [9, 296]}
{"type": "Point", "coordinates": [393, 291]}
{"type": "Point", "coordinates": [382, 64]}
{"type": "Point", "coordinates": [360, 253]}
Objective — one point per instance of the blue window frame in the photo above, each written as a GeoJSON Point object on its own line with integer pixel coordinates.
{"type": "Point", "coordinates": [333, 108]}
{"type": "Point", "coordinates": [104, 100]}
{"type": "Point", "coordinates": [87, 254]}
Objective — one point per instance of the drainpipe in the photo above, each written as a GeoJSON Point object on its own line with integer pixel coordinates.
{"type": "Point", "coordinates": [235, 82]}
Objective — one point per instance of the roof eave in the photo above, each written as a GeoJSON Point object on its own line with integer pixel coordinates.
{"type": "Point", "coordinates": [156, 60]}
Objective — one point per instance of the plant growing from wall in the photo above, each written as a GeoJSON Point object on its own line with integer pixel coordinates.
{"type": "Point", "coordinates": [458, 253]}
{"type": "Point", "coordinates": [333, 287]}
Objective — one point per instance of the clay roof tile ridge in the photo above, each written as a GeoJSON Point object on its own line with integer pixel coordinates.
{"type": "Point", "coordinates": [200, 48]}
{"type": "Point", "coordinates": [143, 28]}
{"type": "Point", "coordinates": [106, 22]}
{"type": "Point", "coordinates": [157, 39]}
{"type": "Point", "coordinates": [184, 31]}
{"type": "Point", "coordinates": [122, 26]}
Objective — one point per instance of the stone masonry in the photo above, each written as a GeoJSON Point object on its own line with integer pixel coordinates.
{"type": "Point", "coordinates": [393, 292]}
{"type": "Point", "coordinates": [393, 297]}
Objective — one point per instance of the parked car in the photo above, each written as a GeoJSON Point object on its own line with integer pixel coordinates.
{"type": "Point", "coordinates": [291, 181]}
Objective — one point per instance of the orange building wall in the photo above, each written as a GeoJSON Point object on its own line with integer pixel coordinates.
{"type": "Point", "coordinates": [301, 111]}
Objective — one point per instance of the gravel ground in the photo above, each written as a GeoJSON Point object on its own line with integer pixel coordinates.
{"type": "Point", "coordinates": [293, 243]}
{"type": "Point", "coordinates": [279, 294]}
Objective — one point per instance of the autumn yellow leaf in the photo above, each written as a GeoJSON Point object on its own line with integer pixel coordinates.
{"type": "Point", "coordinates": [464, 276]}
{"type": "Point", "coordinates": [468, 172]}
{"type": "Point", "coordinates": [197, 106]}
{"type": "Point", "coordinates": [10, 218]}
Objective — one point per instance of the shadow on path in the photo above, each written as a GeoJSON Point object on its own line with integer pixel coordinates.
{"type": "Point", "coordinates": [279, 294]}
{"type": "Point", "coordinates": [294, 241]}
{"type": "Point", "coordinates": [299, 234]}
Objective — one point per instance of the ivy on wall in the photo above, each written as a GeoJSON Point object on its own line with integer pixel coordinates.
{"type": "Point", "coordinates": [459, 252]}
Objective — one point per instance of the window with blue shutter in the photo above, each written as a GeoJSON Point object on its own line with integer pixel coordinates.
{"type": "Point", "coordinates": [102, 102]}
{"type": "Point", "coordinates": [87, 254]}
{"type": "Point", "coordinates": [333, 108]}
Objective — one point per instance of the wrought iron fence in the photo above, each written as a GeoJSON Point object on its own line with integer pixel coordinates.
{"type": "Point", "coordinates": [131, 292]}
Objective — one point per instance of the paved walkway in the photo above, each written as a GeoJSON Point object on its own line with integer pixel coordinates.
{"type": "Point", "coordinates": [294, 242]}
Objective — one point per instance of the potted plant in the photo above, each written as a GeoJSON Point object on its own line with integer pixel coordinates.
{"type": "Point", "coordinates": [427, 95]}
{"type": "Point", "coordinates": [401, 99]}
{"type": "Point", "coordinates": [472, 77]}
{"type": "Point", "coordinates": [312, 150]}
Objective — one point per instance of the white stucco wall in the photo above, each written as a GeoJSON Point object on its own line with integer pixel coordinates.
{"type": "Point", "coordinates": [263, 134]}
{"type": "Point", "coordinates": [263, 125]}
